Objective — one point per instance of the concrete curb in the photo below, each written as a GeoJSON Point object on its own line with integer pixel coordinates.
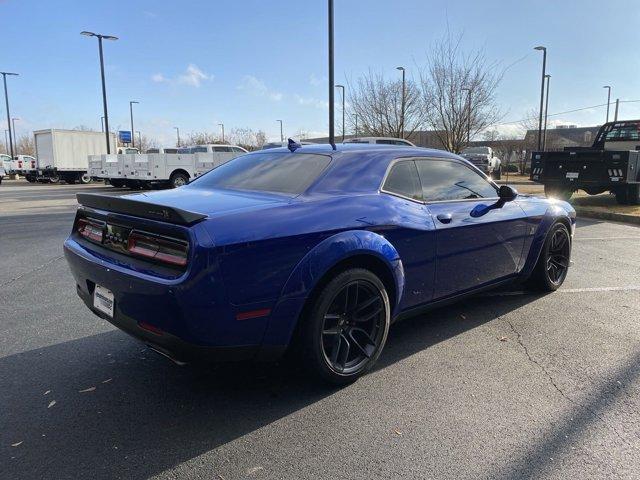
{"type": "Point", "coordinates": [600, 215]}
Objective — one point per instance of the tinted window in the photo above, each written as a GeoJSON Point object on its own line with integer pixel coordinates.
{"type": "Point", "coordinates": [403, 179]}
{"type": "Point", "coordinates": [236, 149]}
{"type": "Point", "coordinates": [444, 180]}
{"type": "Point", "coordinates": [221, 149]}
{"type": "Point", "coordinates": [199, 150]}
{"type": "Point", "coordinates": [170, 150]}
{"type": "Point", "coordinates": [269, 172]}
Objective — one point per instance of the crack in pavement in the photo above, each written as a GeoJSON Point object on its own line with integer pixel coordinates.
{"type": "Point", "coordinates": [39, 267]}
{"type": "Point", "coordinates": [558, 389]}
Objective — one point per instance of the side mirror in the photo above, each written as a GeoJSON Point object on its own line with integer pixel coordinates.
{"type": "Point", "coordinates": [507, 193]}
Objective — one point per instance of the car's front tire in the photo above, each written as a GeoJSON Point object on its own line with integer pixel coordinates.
{"type": "Point", "coordinates": [346, 326]}
{"type": "Point", "coordinates": [554, 260]}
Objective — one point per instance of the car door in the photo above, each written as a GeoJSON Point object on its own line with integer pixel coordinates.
{"type": "Point", "coordinates": [474, 245]}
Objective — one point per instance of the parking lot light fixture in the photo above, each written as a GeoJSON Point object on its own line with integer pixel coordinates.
{"type": "Point", "coordinates": [342, 87]}
{"type": "Point", "coordinates": [332, 140]}
{"type": "Point", "coordinates": [6, 101]}
{"type": "Point", "coordinates": [15, 141]}
{"type": "Point", "coordinates": [133, 142]}
{"type": "Point", "coordinates": [178, 134]}
{"type": "Point", "coordinates": [608, 87]}
{"type": "Point", "coordinates": [544, 68]}
{"type": "Point", "coordinates": [101, 37]}
{"type": "Point", "coordinates": [404, 93]}
{"type": "Point", "coordinates": [546, 113]}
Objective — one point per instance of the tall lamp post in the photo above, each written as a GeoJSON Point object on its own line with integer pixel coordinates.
{"type": "Point", "coordinates": [6, 140]}
{"type": "Point", "coordinates": [178, 134]}
{"type": "Point", "coordinates": [100, 37]}
{"type": "Point", "coordinates": [544, 72]}
{"type": "Point", "coordinates": [222, 125]}
{"type": "Point", "coordinates": [6, 101]}
{"type": "Point", "coordinates": [281, 134]}
{"type": "Point", "coordinates": [404, 93]}
{"type": "Point", "coordinates": [608, 87]}
{"type": "Point", "coordinates": [102, 123]}
{"type": "Point", "coordinates": [133, 132]}
{"type": "Point", "coordinates": [342, 87]}
{"type": "Point", "coordinates": [15, 142]}
{"type": "Point", "coordinates": [468, 90]}
{"type": "Point", "coordinates": [332, 141]}
{"type": "Point", "coordinates": [546, 113]}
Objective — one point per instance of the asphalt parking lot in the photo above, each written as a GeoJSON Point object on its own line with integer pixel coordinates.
{"type": "Point", "coordinates": [504, 385]}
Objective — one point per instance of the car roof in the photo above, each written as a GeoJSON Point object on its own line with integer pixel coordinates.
{"type": "Point", "coordinates": [392, 150]}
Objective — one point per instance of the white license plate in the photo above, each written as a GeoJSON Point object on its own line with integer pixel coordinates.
{"type": "Point", "coordinates": [103, 300]}
{"type": "Point", "coordinates": [573, 174]}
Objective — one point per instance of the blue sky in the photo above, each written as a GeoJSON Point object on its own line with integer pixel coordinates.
{"type": "Point", "coordinates": [194, 64]}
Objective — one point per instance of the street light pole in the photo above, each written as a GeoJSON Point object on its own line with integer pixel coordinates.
{"type": "Point", "coordinates": [15, 142]}
{"type": "Point", "coordinates": [6, 100]}
{"type": "Point", "coordinates": [342, 87]}
{"type": "Point", "coordinates": [608, 87]}
{"type": "Point", "coordinates": [6, 140]}
{"type": "Point", "coordinates": [133, 133]}
{"type": "Point", "coordinates": [102, 123]}
{"type": "Point", "coordinates": [281, 134]}
{"type": "Point", "coordinates": [468, 90]}
{"type": "Point", "coordinates": [332, 141]}
{"type": "Point", "coordinates": [104, 88]}
{"type": "Point", "coordinates": [544, 68]}
{"type": "Point", "coordinates": [404, 90]}
{"type": "Point", "coordinates": [356, 132]}
{"type": "Point", "coordinates": [222, 125]}
{"type": "Point", "coordinates": [178, 133]}
{"type": "Point", "coordinates": [546, 112]}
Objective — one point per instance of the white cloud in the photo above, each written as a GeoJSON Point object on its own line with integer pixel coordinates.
{"type": "Point", "coordinates": [314, 102]}
{"type": "Point", "coordinates": [192, 76]}
{"type": "Point", "coordinates": [256, 87]}
{"type": "Point", "coordinates": [317, 81]}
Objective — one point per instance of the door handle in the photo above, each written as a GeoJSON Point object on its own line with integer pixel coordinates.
{"type": "Point", "coordinates": [444, 217]}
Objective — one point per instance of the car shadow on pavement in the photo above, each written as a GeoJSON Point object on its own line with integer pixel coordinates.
{"type": "Point", "coordinates": [105, 406]}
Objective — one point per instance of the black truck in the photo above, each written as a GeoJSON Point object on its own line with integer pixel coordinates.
{"type": "Point", "coordinates": [611, 164]}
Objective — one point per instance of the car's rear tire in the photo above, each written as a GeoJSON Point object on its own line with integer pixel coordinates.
{"type": "Point", "coordinates": [178, 179]}
{"type": "Point", "coordinates": [345, 326]}
{"type": "Point", "coordinates": [558, 192]}
{"type": "Point", "coordinates": [554, 260]}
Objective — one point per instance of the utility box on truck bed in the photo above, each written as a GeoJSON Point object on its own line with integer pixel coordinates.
{"type": "Point", "coordinates": [64, 154]}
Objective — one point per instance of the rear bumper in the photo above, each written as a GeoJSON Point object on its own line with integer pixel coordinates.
{"type": "Point", "coordinates": [187, 318]}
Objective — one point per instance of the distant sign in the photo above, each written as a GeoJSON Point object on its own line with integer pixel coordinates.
{"type": "Point", "coordinates": [124, 136]}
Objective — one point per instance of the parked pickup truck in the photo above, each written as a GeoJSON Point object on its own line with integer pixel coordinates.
{"type": "Point", "coordinates": [611, 164]}
{"type": "Point", "coordinates": [485, 159]}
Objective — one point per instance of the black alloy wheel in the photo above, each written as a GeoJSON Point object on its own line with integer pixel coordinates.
{"type": "Point", "coordinates": [554, 261]}
{"type": "Point", "coordinates": [348, 326]}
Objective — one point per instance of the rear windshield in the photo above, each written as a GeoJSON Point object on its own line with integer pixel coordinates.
{"type": "Point", "coordinates": [281, 172]}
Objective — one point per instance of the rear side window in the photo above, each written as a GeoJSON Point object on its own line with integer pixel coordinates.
{"type": "Point", "coordinates": [199, 150]}
{"type": "Point", "coordinates": [221, 149]}
{"type": "Point", "coordinates": [288, 173]}
{"type": "Point", "coordinates": [403, 180]}
{"type": "Point", "coordinates": [445, 180]}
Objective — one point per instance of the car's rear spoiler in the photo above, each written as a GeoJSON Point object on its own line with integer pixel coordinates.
{"type": "Point", "coordinates": [139, 209]}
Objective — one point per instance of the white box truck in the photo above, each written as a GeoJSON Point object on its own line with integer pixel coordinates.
{"type": "Point", "coordinates": [64, 154]}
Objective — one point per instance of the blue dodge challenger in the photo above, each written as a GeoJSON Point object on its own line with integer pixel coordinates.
{"type": "Point", "coordinates": [310, 249]}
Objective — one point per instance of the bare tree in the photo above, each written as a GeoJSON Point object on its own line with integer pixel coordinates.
{"type": "Point", "coordinates": [144, 143]}
{"type": "Point", "coordinates": [202, 138]}
{"type": "Point", "coordinates": [377, 103]}
{"type": "Point", "coordinates": [458, 92]}
{"type": "Point", "coordinates": [247, 138]}
{"type": "Point", "coordinates": [25, 145]}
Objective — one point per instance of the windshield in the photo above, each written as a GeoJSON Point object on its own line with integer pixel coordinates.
{"type": "Point", "coordinates": [482, 150]}
{"type": "Point", "coordinates": [280, 172]}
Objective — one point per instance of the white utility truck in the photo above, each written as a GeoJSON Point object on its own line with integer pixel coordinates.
{"type": "Point", "coordinates": [174, 169]}
{"type": "Point", "coordinates": [64, 154]}
{"type": "Point", "coordinates": [25, 165]}
{"type": "Point", "coordinates": [485, 159]}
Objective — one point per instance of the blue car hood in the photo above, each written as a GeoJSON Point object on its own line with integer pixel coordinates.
{"type": "Point", "coordinates": [208, 201]}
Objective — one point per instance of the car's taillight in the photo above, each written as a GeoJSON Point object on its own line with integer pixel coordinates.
{"type": "Point", "coordinates": [162, 249]}
{"type": "Point", "coordinates": [90, 230]}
